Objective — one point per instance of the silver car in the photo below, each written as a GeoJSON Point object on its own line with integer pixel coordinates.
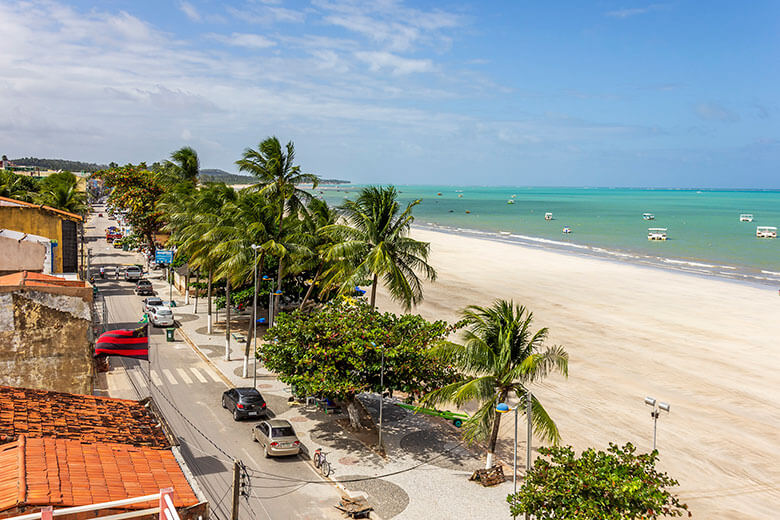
{"type": "Point", "coordinates": [161, 317]}
{"type": "Point", "coordinates": [277, 437]}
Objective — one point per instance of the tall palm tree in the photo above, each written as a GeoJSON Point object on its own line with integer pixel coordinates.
{"type": "Point", "coordinates": [374, 243]}
{"type": "Point", "coordinates": [187, 164]}
{"type": "Point", "coordinates": [16, 186]}
{"type": "Point", "coordinates": [64, 196]}
{"type": "Point", "coordinates": [313, 243]}
{"type": "Point", "coordinates": [500, 355]}
{"type": "Point", "coordinates": [278, 180]}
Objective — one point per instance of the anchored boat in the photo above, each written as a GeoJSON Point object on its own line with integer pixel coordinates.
{"type": "Point", "coordinates": [648, 216]}
{"type": "Point", "coordinates": [548, 216]}
{"type": "Point", "coordinates": [746, 217]}
{"type": "Point", "coordinates": [766, 232]}
{"type": "Point", "coordinates": [656, 233]}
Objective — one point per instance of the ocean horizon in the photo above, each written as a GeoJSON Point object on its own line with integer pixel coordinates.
{"type": "Point", "coordinates": [704, 231]}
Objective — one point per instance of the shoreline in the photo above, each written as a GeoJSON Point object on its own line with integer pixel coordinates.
{"type": "Point", "coordinates": [704, 344]}
{"type": "Point", "coordinates": [696, 267]}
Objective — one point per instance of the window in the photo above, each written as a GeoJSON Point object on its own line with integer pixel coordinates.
{"type": "Point", "coordinates": [283, 431]}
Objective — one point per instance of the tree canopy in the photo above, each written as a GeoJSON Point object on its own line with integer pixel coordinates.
{"type": "Point", "coordinates": [615, 485]}
{"type": "Point", "coordinates": [337, 351]}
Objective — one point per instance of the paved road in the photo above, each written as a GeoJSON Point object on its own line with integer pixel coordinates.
{"type": "Point", "coordinates": [188, 391]}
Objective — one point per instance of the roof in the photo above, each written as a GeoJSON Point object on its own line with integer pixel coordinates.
{"type": "Point", "coordinates": [31, 279]}
{"type": "Point", "coordinates": [22, 236]}
{"type": "Point", "coordinates": [66, 473]}
{"type": "Point", "coordinates": [42, 413]}
{"type": "Point", "coordinates": [5, 201]}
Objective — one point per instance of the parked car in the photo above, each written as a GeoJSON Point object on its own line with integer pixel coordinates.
{"type": "Point", "coordinates": [277, 437]}
{"type": "Point", "coordinates": [150, 303]}
{"type": "Point", "coordinates": [144, 287]}
{"type": "Point", "coordinates": [161, 316]}
{"type": "Point", "coordinates": [117, 244]}
{"type": "Point", "coordinates": [133, 273]}
{"type": "Point", "coordinates": [244, 402]}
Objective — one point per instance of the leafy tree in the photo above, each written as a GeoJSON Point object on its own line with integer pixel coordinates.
{"type": "Point", "coordinates": [19, 187]}
{"type": "Point", "coordinates": [135, 191]}
{"type": "Point", "coordinates": [60, 190]}
{"type": "Point", "coordinates": [500, 355]}
{"type": "Point", "coordinates": [337, 351]}
{"type": "Point", "coordinates": [373, 243]}
{"type": "Point", "coordinates": [614, 485]}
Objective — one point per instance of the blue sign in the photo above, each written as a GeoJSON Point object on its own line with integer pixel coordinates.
{"type": "Point", "coordinates": [163, 256]}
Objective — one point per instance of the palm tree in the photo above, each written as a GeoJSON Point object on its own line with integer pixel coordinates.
{"type": "Point", "coordinates": [60, 191]}
{"type": "Point", "coordinates": [500, 355]}
{"type": "Point", "coordinates": [373, 243]}
{"type": "Point", "coordinates": [313, 243]}
{"type": "Point", "coordinates": [16, 186]}
{"type": "Point", "coordinates": [278, 180]}
{"type": "Point", "coordinates": [186, 163]}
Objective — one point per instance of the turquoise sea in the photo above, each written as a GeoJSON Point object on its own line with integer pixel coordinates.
{"type": "Point", "coordinates": [705, 235]}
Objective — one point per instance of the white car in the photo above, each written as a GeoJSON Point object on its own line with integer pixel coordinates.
{"type": "Point", "coordinates": [161, 316]}
{"type": "Point", "coordinates": [151, 302]}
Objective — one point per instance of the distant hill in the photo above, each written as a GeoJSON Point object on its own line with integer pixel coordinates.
{"type": "Point", "coordinates": [59, 164]}
{"type": "Point", "coordinates": [217, 175]}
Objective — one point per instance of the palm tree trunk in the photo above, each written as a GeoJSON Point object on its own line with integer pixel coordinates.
{"type": "Point", "coordinates": [208, 296]}
{"type": "Point", "coordinates": [311, 287]}
{"type": "Point", "coordinates": [227, 319]}
{"type": "Point", "coordinates": [373, 292]}
{"type": "Point", "coordinates": [494, 432]}
{"type": "Point", "coordinates": [197, 290]}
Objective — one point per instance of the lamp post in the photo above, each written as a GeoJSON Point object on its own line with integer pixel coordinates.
{"type": "Point", "coordinates": [381, 394]}
{"type": "Point", "coordinates": [270, 300]}
{"type": "Point", "coordinates": [504, 408]}
{"type": "Point", "coordinates": [254, 247]}
{"type": "Point", "coordinates": [650, 401]}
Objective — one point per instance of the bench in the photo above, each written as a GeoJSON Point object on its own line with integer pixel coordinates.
{"type": "Point", "coordinates": [238, 337]}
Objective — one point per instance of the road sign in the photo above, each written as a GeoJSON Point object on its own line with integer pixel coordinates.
{"type": "Point", "coordinates": [163, 256]}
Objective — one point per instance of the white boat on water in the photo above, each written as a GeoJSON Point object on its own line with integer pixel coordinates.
{"type": "Point", "coordinates": [766, 232]}
{"type": "Point", "coordinates": [746, 217]}
{"type": "Point", "coordinates": [656, 233]}
{"type": "Point", "coordinates": [566, 230]}
{"type": "Point", "coordinates": [548, 216]}
{"type": "Point", "coordinates": [648, 216]}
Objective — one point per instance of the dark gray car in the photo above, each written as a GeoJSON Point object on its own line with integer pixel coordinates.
{"type": "Point", "coordinates": [244, 402]}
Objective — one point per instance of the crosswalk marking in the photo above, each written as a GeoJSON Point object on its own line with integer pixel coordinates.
{"type": "Point", "coordinates": [156, 378]}
{"type": "Point", "coordinates": [211, 374]}
{"type": "Point", "coordinates": [169, 376]}
{"type": "Point", "coordinates": [183, 374]}
{"type": "Point", "coordinates": [198, 375]}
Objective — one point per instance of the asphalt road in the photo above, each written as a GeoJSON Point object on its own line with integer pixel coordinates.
{"type": "Point", "coordinates": [188, 392]}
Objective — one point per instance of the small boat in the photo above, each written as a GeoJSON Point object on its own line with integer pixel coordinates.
{"type": "Point", "coordinates": [460, 196]}
{"type": "Point", "coordinates": [467, 212]}
{"type": "Point", "coordinates": [746, 217]}
{"type": "Point", "coordinates": [566, 230]}
{"type": "Point", "coordinates": [439, 194]}
{"type": "Point", "coordinates": [648, 216]}
{"type": "Point", "coordinates": [766, 232]}
{"type": "Point", "coordinates": [510, 201]}
{"type": "Point", "coordinates": [656, 233]}
{"type": "Point", "coordinates": [548, 216]}
{"type": "Point", "coordinates": [513, 196]}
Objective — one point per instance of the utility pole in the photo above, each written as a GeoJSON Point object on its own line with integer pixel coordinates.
{"type": "Point", "coordinates": [236, 488]}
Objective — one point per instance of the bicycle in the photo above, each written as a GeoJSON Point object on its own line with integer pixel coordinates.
{"type": "Point", "coordinates": [320, 462]}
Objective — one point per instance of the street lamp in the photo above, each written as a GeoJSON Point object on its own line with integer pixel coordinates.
{"type": "Point", "coordinates": [381, 394]}
{"type": "Point", "coordinates": [254, 247]}
{"type": "Point", "coordinates": [650, 401]}
{"type": "Point", "coordinates": [271, 294]}
{"type": "Point", "coordinates": [504, 408]}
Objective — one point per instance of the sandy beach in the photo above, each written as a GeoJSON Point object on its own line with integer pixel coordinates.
{"type": "Point", "coordinates": [709, 347]}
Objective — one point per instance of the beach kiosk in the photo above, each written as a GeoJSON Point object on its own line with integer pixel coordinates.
{"type": "Point", "coordinates": [766, 232]}
{"type": "Point", "coordinates": [656, 233]}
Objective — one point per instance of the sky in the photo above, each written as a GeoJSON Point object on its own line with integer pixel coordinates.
{"type": "Point", "coordinates": [510, 92]}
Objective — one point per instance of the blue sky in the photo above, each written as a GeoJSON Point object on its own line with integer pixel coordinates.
{"type": "Point", "coordinates": [601, 93]}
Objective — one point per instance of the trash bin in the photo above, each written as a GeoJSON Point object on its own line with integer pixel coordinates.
{"type": "Point", "coordinates": [125, 247]}
{"type": "Point", "coordinates": [169, 333]}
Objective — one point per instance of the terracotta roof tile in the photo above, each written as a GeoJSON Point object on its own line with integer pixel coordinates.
{"type": "Point", "coordinates": [41, 413]}
{"type": "Point", "coordinates": [64, 473]}
{"type": "Point", "coordinates": [27, 278]}
{"type": "Point", "coordinates": [5, 201]}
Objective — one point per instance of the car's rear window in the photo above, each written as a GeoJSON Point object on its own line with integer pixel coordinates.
{"type": "Point", "coordinates": [144, 282]}
{"type": "Point", "coordinates": [251, 398]}
{"type": "Point", "coordinates": [164, 312]}
{"type": "Point", "coordinates": [282, 431]}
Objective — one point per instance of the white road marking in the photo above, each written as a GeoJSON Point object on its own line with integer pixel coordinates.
{"type": "Point", "coordinates": [257, 465]}
{"type": "Point", "coordinates": [156, 378]}
{"type": "Point", "coordinates": [213, 376]}
{"type": "Point", "coordinates": [183, 374]}
{"type": "Point", "coordinates": [169, 376]}
{"type": "Point", "coordinates": [198, 375]}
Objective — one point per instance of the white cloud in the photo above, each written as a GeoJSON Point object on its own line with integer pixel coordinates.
{"type": "Point", "coordinates": [716, 112]}
{"type": "Point", "coordinates": [266, 14]}
{"type": "Point", "coordinates": [635, 11]}
{"type": "Point", "coordinates": [397, 65]}
{"type": "Point", "coordinates": [250, 41]}
{"type": "Point", "coordinates": [190, 10]}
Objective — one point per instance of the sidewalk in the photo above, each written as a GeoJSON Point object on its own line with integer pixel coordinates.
{"type": "Point", "coordinates": [432, 467]}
